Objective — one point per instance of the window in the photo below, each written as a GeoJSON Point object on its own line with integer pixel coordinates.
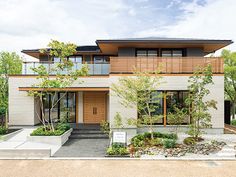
{"type": "Point", "coordinates": [177, 98]}
{"type": "Point", "coordinates": [64, 109]}
{"type": "Point", "coordinates": [101, 59]}
{"type": "Point", "coordinates": [75, 59]}
{"type": "Point", "coordinates": [87, 59]}
{"type": "Point", "coordinates": [157, 101]}
{"type": "Point", "coordinates": [171, 52]}
{"type": "Point", "coordinates": [147, 52]}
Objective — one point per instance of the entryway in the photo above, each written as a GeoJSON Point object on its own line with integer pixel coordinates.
{"type": "Point", "coordinates": [85, 141]}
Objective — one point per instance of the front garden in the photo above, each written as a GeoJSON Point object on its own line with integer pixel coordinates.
{"type": "Point", "coordinates": [165, 145]}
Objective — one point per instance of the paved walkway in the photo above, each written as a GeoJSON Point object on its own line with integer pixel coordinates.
{"type": "Point", "coordinates": [116, 168]}
{"type": "Point", "coordinates": [83, 148]}
{"type": "Point", "coordinates": [19, 141]}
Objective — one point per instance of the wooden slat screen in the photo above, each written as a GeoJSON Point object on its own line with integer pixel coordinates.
{"type": "Point", "coordinates": [168, 65]}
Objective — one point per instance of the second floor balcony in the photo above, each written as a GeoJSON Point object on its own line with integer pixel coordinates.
{"type": "Point", "coordinates": [167, 65]}
{"type": "Point", "coordinates": [94, 69]}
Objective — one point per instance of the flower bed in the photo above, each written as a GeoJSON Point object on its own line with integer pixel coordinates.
{"type": "Point", "coordinates": [57, 137]}
{"type": "Point", "coordinates": [117, 150]}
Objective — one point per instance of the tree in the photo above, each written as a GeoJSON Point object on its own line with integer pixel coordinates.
{"type": "Point", "coordinates": [10, 63]}
{"type": "Point", "coordinates": [65, 75]}
{"type": "Point", "coordinates": [139, 91]}
{"type": "Point", "coordinates": [230, 78]}
{"type": "Point", "coordinates": [177, 117]}
{"type": "Point", "coordinates": [198, 89]}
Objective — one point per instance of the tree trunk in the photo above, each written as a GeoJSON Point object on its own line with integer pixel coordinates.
{"type": "Point", "coordinates": [233, 110]}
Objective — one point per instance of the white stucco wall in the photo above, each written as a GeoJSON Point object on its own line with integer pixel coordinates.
{"type": "Point", "coordinates": [176, 83]}
{"type": "Point", "coordinates": [21, 106]}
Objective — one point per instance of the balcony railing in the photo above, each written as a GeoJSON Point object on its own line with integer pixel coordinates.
{"type": "Point", "coordinates": [167, 65]}
{"type": "Point", "coordinates": [94, 69]}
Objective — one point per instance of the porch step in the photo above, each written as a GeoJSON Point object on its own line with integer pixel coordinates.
{"type": "Point", "coordinates": [89, 136]}
{"type": "Point", "coordinates": [88, 133]}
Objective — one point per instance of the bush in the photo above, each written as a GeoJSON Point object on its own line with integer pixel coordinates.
{"type": "Point", "coordinates": [138, 140]}
{"type": "Point", "coordinates": [155, 142]}
{"type": "Point", "coordinates": [169, 143]}
{"type": "Point", "coordinates": [117, 149]}
{"type": "Point", "coordinates": [105, 127]}
{"type": "Point", "coordinates": [189, 141]}
{"type": "Point", "coordinates": [63, 126]}
{"type": "Point", "coordinates": [42, 132]}
{"type": "Point", "coordinates": [233, 122]}
{"type": "Point", "coordinates": [3, 130]}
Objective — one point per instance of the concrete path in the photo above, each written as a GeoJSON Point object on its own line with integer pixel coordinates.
{"type": "Point", "coordinates": [116, 168]}
{"type": "Point", "coordinates": [83, 148]}
{"type": "Point", "coordinates": [19, 141]}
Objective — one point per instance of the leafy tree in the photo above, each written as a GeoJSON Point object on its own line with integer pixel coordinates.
{"type": "Point", "coordinates": [10, 64]}
{"type": "Point", "coordinates": [230, 77]}
{"type": "Point", "coordinates": [198, 88]}
{"type": "Point", "coordinates": [177, 117]}
{"type": "Point", "coordinates": [65, 75]}
{"type": "Point", "coordinates": [139, 91]}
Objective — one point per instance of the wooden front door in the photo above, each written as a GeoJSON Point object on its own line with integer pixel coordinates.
{"type": "Point", "coordinates": [94, 107]}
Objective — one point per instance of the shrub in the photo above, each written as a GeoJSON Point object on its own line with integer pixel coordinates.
{"type": "Point", "coordinates": [3, 130]}
{"type": "Point", "coordinates": [137, 142]}
{"type": "Point", "coordinates": [155, 142]}
{"type": "Point", "coordinates": [63, 126]}
{"type": "Point", "coordinates": [189, 141]}
{"type": "Point", "coordinates": [117, 149]}
{"type": "Point", "coordinates": [233, 122]}
{"type": "Point", "coordinates": [169, 143]}
{"type": "Point", "coordinates": [105, 127]}
{"type": "Point", "coordinates": [42, 132]}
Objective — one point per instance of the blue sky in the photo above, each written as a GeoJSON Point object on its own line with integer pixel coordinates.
{"type": "Point", "coordinates": [32, 23]}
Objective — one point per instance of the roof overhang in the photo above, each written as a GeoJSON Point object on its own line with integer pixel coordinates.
{"type": "Point", "coordinates": [208, 46]}
{"type": "Point", "coordinates": [72, 89]}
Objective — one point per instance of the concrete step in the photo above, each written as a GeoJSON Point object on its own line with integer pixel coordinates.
{"type": "Point", "coordinates": [87, 132]}
{"type": "Point", "coordinates": [89, 136]}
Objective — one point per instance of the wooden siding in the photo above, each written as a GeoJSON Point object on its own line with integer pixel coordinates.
{"type": "Point", "coordinates": [167, 65]}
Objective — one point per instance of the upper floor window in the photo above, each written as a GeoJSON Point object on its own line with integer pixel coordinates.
{"type": "Point", "coordinates": [75, 59]}
{"type": "Point", "coordinates": [171, 52]}
{"type": "Point", "coordinates": [101, 59]}
{"type": "Point", "coordinates": [147, 52]}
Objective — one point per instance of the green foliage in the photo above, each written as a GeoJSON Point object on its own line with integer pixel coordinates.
{"type": "Point", "coordinates": [63, 126]}
{"type": "Point", "coordinates": [117, 149]}
{"type": "Point", "coordinates": [155, 142]}
{"type": "Point", "coordinates": [198, 87]}
{"type": "Point", "coordinates": [138, 92]}
{"type": "Point", "coordinates": [3, 130]}
{"type": "Point", "coordinates": [65, 73]}
{"type": "Point", "coordinates": [230, 77]}
{"type": "Point", "coordinates": [118, 121]}
{"type": "Point", "coordinates": [10, 64]}
{"type": "Point", "coordinates": [41, 131]}
{"type": "Point", "coordinates": [105, 128]}
{"type": "Point", "coordinates": [189, 141]}
{"type": "Point", "coordinates": [169, 143]}
{"type": "Point", "coordinates": [233, 122]}
{"type": "Point", "coordinates": [141, 140]}
{"type": "Point", "coordinates": [177, 117]}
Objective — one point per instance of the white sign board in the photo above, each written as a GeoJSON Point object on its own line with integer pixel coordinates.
{"type": "Point", "coordinates": [119, 137]}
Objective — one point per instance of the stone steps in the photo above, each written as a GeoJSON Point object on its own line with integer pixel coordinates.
{"type": "Point", "coordinates": [88, 133]}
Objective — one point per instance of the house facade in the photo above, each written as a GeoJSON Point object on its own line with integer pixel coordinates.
{"type": "Point", "coordinates": [93, 100]}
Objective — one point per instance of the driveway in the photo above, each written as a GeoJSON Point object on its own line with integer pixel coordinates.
{"type": "Point", "coordinates": [116, 168]}
{"type": "Point", "coordinates": [83, 148]}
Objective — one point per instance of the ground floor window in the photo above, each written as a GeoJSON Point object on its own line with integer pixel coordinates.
{"type": "Point", "coordinates": [64, 107]}
{"type": "Point", "coordinates": [166, 105]}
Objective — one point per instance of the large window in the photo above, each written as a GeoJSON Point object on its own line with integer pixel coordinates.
{"type": "Point", "coordinates": [147, 53]}
{"type": "Point", "coordinates": [172, 53]}
{"type": "Point", "coordinates": [177, 98]}
{"type": "Point", "coordinates": [64, 109]}
{"type": "Point", "coordinates": [157, 101]}
{"type": "Point", "coordinates": [101, 59]}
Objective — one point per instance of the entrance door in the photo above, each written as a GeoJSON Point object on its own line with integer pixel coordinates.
{"type": "Point", "coordinates": [94, 107]}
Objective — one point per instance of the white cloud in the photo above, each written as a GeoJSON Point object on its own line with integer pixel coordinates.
{"type": "Point", "coordinates": [214, 20]}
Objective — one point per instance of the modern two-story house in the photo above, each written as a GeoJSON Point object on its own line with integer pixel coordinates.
{"type": "Point", "coordinates": [93, 101]}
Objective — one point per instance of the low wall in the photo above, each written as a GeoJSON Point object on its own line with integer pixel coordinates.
{"type": "Point", "coordinates": [55, 140]}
